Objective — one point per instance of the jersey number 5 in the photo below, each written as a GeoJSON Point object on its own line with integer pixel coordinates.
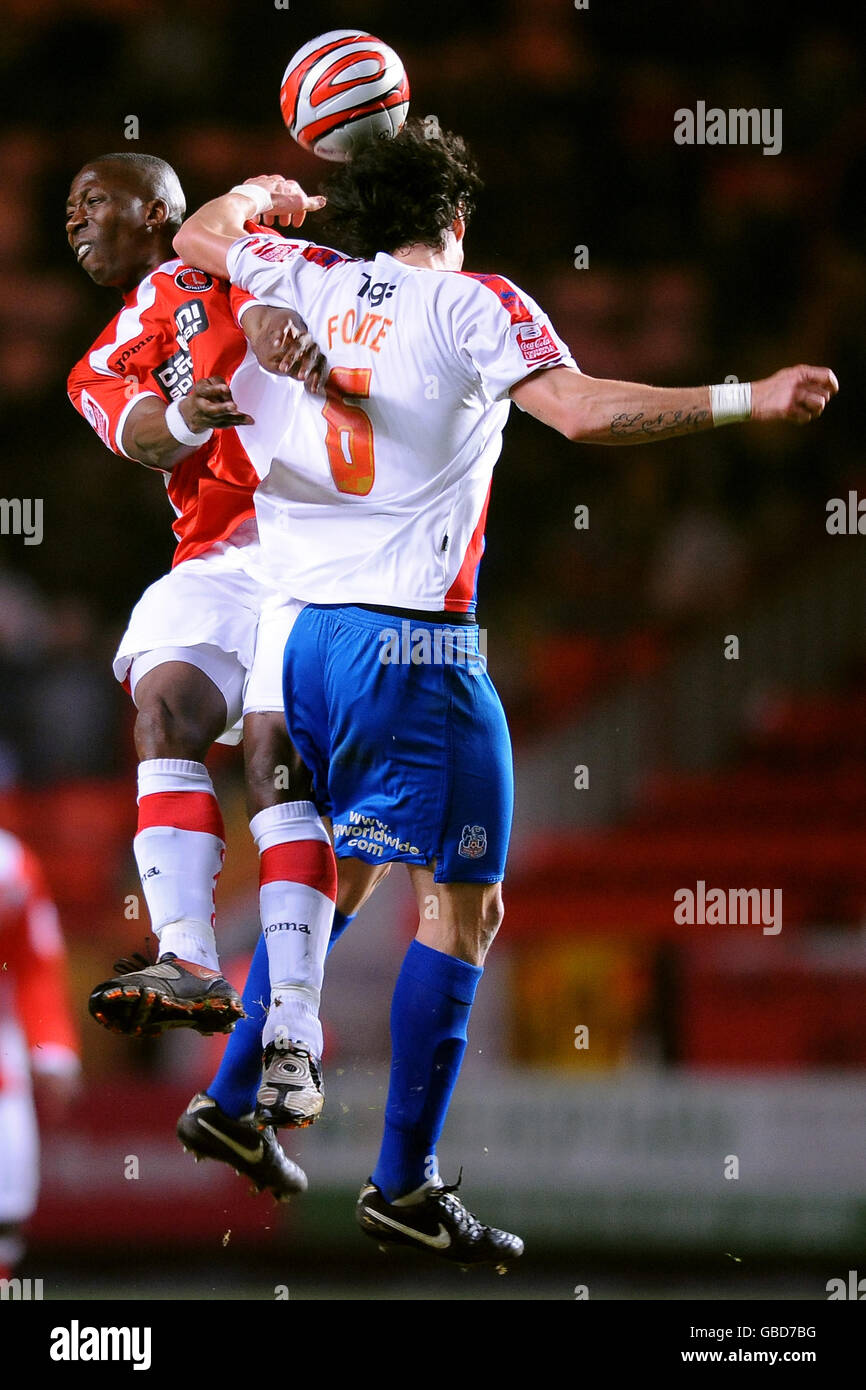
{"type": "Point", "coordinates": [349, 439]}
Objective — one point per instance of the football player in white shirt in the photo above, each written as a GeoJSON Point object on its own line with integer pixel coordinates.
{"type": "Point", "coordinates": [372, 511]}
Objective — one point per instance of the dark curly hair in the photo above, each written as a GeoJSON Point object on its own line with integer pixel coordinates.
{"type": "Point", "coordinates": [400, 192]}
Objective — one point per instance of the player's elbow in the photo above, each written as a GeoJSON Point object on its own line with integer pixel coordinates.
{"type": "Point", "coordinates": [573, 425]}
{"type": "Point", "coordinates": [149, 458]}
{"type": "Point", "coordinates": [574, 430]}
{"type": "Point", "coordinates": [191, 244]}
{"type": "Point", "coordinates": [577, 415]}
{"type": "Point", "coordinates": [198, 245]}
{"type": "Point", "coordinates": [159, 455]}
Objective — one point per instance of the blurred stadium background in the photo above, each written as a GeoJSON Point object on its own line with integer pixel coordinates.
{"type": "Point", "coordinates": [606, 644]}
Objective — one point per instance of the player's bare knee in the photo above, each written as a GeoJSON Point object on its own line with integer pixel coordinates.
{"type": "Point", "coordinates": [492, 921]}
{"type": "Point", "coordinates": [266, 775]}
{"type": "Point", "coordinates": [162, 731]}
{"type": "Point", "coordinates": [475, 934]}
{"type": "Point", "coordinates": [273, 770]}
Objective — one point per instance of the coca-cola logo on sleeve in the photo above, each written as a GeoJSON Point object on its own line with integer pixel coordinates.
{"type": "Point", "coordinates": [535, 343]}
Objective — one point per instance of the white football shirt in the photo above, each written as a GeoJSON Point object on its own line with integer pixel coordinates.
{"type": "Point", "coordinates": [377, 491]}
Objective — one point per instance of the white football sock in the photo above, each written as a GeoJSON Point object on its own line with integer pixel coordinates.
{"type": "Point", "coordinates": [296, 902]}
{"type": "Point", "coordinates": [179, 850]}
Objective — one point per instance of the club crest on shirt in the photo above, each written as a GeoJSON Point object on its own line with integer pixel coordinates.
{"type": "Point", "coordinates": [473, 842]}
{"type": "Point", "coordinates": [195, 281]}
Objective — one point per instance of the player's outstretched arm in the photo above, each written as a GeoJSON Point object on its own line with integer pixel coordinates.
{"type": "Point", "coordinates": [590, 410]}
{"type": "Point", "coordinates": [160, 436]}
{"type": "Point", "coordinates": [205, 237]}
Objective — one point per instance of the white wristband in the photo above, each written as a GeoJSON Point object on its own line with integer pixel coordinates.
{"type": "Point", "coordinates": [258, 195]}
{"type": "Point", "coordinates": [177, 426]}
{"type": "Point", "coordinates": [731, 401]}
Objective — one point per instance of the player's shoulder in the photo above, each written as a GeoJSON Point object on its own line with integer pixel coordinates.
{"type": "Point", "coordinates": [175, 281]}
{"type": "Point", "coordinates": [274, 248]}
{"type": "Point", "coordinates": [82, 367]}
{"type": "Point", "coordinates": [492, 291]}
{"type": "Point", "coordinates": [168, 286]}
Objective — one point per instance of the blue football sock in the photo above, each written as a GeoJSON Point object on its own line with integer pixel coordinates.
{"type": "Point", "coordinates": [429, 1015]}
{"type": "Point", "coordinates": [341, 921]}
{"type": "Point", "coordinates": [240, 1072]}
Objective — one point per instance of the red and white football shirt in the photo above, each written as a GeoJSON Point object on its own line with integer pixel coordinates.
{"type": "Point", "coordinates": [377, 492]}
{"type": "Point", "coordinates": [177, 326]}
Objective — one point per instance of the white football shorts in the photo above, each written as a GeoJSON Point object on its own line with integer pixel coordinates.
{"type": "Point", "coordinates": [215, 612]}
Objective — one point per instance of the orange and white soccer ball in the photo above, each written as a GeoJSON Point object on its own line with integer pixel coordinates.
{"type": "Point", "coordinates": [343, 87]}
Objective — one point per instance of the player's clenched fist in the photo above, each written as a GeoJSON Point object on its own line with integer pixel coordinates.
{"type": "Point", "coordinates": [797, 394]}
{"type": "Point", "coordinates": [209, 405]}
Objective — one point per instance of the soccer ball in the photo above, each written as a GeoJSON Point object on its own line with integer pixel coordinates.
{"type": "Point", "coordinates": [342, 88]}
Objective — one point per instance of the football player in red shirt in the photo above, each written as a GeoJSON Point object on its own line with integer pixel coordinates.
{"type": "Point", "coordinates": [203, 650]}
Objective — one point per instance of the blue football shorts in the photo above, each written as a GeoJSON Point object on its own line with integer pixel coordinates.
{"type": "Point", "coordinates": [406, 739]}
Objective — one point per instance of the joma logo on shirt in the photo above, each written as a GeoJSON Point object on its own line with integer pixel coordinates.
{"type": "Point", "coordinates": [288, 926]}
{"type": "Point", "coordinates": [118, 363]}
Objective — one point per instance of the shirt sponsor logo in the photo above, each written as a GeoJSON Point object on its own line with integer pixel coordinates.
{"type": "Point", "coordinates": [190, 319]}
{"type": "Point", "coordinates": [535, 343]}
{"type": "Point", "coordinates": [473, 842]}
{"type": "Point", "coordinates": [175, 375]}
{"type": "Point", "coordinates": [383, 289]}
{"type": "Point", "coordinates": [196, 281]}
{"type": "Point", "coordinates": [373, 835]}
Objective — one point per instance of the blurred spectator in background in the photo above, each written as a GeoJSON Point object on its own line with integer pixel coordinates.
{"type": "Point", "coordinates": [58, 710]}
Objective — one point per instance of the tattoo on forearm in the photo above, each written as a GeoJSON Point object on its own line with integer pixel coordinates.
{"type": "Point", "coordinates": [669, 422]}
